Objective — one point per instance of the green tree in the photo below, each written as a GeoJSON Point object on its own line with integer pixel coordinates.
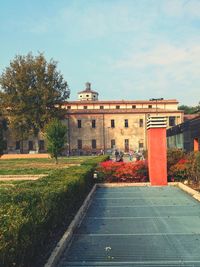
{"type": "Point", "coordinates": [189, 109]}
{"type": "Point", "coordinates": [32, 91]}
{"type": "Point", "coordinates": [55, 133]}
{"type": "Point", "coordinates": [3, 127]}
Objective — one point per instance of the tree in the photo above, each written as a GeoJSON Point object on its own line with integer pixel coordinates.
{"type": "Point", "coordinates": [32, 91]}
{"type": "Point", "coordinates": [55, 133]}
{"type": "Point", "coordinates": [189, 109]}
{"type": "Point", "coordinates": [3, 127]}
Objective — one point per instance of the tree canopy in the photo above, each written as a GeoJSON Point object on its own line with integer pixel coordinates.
{"type": "Point", "coordinates": [55, 133]}
{"type": "Point", "coordinates": [190, 109]}
{"type": "Point", "coordinates": [32, 91]}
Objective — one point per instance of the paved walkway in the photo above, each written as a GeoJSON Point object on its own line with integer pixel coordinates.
{"type": "Point", "coordinates": [137, 226]}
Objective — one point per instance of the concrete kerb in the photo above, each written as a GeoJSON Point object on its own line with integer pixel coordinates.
{"type": "Point", "coordinates": [189, 190]}
{"type": "Point", "coordinates": [66, 239]}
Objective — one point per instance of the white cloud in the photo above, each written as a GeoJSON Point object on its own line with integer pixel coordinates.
{"type": "Point", "coordinates": [162, 55]}
{"type": "Point", "coordinates": [182, 8]}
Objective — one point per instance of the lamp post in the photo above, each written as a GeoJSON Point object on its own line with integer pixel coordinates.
{"type": "Point", "coordinates": [156, 99]}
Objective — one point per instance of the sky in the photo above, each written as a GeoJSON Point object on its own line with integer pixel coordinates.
{"type": "Point", "coordinates": [127, 49]}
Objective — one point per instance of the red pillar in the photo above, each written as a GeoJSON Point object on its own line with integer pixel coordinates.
{"type": "Point", "coordinates": [157, 150]}
{"type": "Point", "coordinates": [196, 144]}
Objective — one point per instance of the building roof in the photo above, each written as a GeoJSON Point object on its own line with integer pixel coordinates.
{"type": "Point", "coordinates": [121, 111]}
{"type": "Point", "coordinates": [88, 91]}
{"type": "Point", "coordinates": [171, 101]}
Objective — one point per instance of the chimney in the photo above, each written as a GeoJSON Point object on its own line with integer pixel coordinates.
{"type": "Point", "coordinates": [88, 86]}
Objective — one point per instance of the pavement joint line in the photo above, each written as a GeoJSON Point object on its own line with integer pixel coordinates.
{"type": "Point", "coordinates": [139, 234]}
{"type": "Point", "coordinates": [146, 206]}
{"type": "Point", "coordinates": [136, 262]}
{"type": "Point", "coordinates": [139, 217]}
{"type": "Point", "coordinates": [66, 238]}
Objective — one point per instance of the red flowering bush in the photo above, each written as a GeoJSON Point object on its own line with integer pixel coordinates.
{"type": "Point", "coordinates": [179, 170]}
{"type": "Point", "coordinates": [123, 171]}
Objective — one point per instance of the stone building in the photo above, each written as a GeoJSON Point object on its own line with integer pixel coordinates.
{"type": "Point", "coordinates": [95, 125]}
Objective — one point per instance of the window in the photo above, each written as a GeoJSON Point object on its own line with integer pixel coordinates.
{"type": "Point", "coordinates": [87, 95]}
{"type": "Point", "coordinates": [126, 123]}
{"type": "Point", "coordinates": [85, 107]}
{"type": "Point", "coordinates": [79, 123]}
{"type": "Point", "coordinates": [112, 143]}
{"type": "Point", "coordinates": [17, 145]}
{"type": "Point", "coordinates": [94, 143]}
{"type": "Point", "coordinates": [126, 145]}
{"type": "Point", "coordinates": [117, 107]}
{"type": "Point", "coordinates": [101, 107]}
{"type": "Point", "coordinates": [112, 123]}
{"type": "Point", "coordinates": [133, 106]}
{"type": "Point", "coordinates": [172, 121]}
{"type": "Point", "coordinates": [93, 123]}
{"type": "Point", "coordinates": [79, 144]}
{"type": "Point", "coordinates": [141, 123]}
{"type": "Point", "coordinates": [149, 106]}
{"type": "Point", "coordinates": [30, 145]}
{"type": "Point", "coordinates": [141, 145]}
{"type": "Point", "coordinates": [68, 107]}
{"type": "Point", "coordinates": [5, 145]}
{"type": "Point", "coordinates": [41, 145]}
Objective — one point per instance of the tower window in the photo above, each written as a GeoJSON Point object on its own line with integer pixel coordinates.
{"type": "Point", "coordinates": [101, 107]}
{"type": "Point", "coordinates": [126, 145]}
{"type": "Point", "coordinates": [112, 143]}
{"type": "Point", "coordinates": [93, 123]}
{"type": "Point", "coordinates": [94, 143]}
{"type": "Point", "coordinates": [126, 123]}
{"type": "Point", "coordinates": [68, 107]}
{"type": "Point", "coordinates": [141, 123]}
{"type": "Point", "coordinates": [149, 106]}
{"type": "Point", "coordinates": [85, 107]}
{"type": "Point", "coordinates": [17, 145]}
{"type": "Point", "coordinates": [172, 121]}
{"type": "Point", "coordinates": [79, 123]}
{"type": "Point", "coordinates": [117, 107]}
{"type": "Point", "coordinates": [79, 144]}
{"type": "Point", "coordinates": [30, 145]}
{"type": "Point", "coordinates": [133, 106]}
{"type": "Point", "coordinates": [112, 123]}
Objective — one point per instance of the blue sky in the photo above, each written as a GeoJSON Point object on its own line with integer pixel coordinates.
{"type": "Point", "coordinates": [137, 49]}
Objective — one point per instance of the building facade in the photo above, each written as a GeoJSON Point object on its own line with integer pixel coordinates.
{"type": "Point", "coordinates": [96, 126]}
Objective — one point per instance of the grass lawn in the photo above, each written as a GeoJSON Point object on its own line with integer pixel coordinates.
{"type": "Point", "coordinates": [36, 166]}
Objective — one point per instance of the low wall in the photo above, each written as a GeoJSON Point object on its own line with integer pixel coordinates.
{"type": "Point", "coordinates": [25, 156]}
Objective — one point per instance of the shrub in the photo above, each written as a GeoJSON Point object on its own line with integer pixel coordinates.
{"type": "Point", "coordinates": [121, 171]}
{"type": "Point", "coordinates": [31, 212]}
{"type": "Point", "coordinates": [173, 156]}
{"type": "Point", "coordinates": [193, 170]}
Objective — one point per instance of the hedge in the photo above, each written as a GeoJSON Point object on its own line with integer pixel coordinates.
{"type": "Point", "coordinates": [31, 211]}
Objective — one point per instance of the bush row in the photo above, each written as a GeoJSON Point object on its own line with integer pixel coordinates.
{"type": "Point", "coordinates": [31, 211]}
{"type": "Point", "coordinates": [184, 166]}
{"type": "Point", "coordinates": [136, 171]}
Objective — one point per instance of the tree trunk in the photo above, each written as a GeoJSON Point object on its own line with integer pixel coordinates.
{"type": "Point", "coordinates": [37, 144]}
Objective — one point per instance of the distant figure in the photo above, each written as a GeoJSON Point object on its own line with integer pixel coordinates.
{"type": "Point", "coordinates": [130, 155]}
{"type": "Point", "coordinates": [121, 154]}
{"type": "Point", "coordinates": [116, 155]}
